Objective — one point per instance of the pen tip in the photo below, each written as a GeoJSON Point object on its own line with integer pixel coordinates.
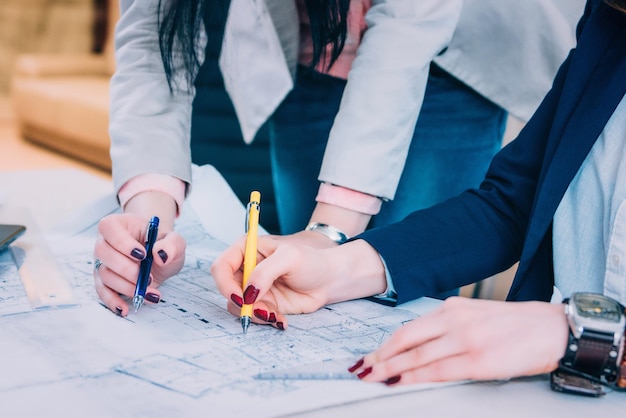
{"type": "Point", "coordinates": [137, 302]}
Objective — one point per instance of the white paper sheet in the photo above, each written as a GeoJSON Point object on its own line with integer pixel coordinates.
{"type": "Point", "coordinates": [187, 356]}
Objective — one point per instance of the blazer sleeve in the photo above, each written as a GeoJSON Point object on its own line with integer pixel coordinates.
{"type": "Point", "coordinates": [370, 137]}
{"type": "Point", "coordinates": [149, 126]}
{"type": "Point", "coordinates": [478, 233]}
{"type": "Point", "coordinates": [482, 231]}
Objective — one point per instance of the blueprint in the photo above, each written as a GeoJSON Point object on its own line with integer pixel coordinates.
{"type": "Point", "coordinates": [13, 298]}
{"type": "Point", "coordinates": [185, 356]}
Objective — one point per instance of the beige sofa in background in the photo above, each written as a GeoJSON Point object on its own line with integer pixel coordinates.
{"type": "Point", "coordinates": [61, 101]}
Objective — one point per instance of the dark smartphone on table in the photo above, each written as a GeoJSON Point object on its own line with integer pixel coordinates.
{"type": "Point", "coordinates": [9, 233]}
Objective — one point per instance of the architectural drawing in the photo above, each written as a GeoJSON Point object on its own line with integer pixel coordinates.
{"type": "Point", "coordinates": [187, 351]}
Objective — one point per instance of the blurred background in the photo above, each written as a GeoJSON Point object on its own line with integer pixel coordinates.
{"type": "Point", "coordinates": [56, 59]}
{"type": "Point", "coordinates": [48, 26]}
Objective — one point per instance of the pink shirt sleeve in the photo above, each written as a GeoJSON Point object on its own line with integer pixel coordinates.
{"type": "Point", "coordinates": [153, 182]}
{"type": "Point", "coordinates": [348, 199]}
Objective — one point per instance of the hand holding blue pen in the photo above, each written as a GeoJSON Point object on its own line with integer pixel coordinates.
{"type": "Point", "coordinates": [146, 264]}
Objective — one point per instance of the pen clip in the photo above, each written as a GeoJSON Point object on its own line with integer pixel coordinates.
{"type": "Point", "coordinates": [254, 203]}
{"type": "Point", "coordinates": [247, 224]}
{"type": "Point", "coordinates": [249, 208]}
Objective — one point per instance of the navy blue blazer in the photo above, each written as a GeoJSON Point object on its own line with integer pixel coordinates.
{"type": "Point", "coordinates": [509, 217]}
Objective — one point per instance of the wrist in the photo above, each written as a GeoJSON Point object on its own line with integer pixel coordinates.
{"type": "Point", "coordinates": [389, 296]}
{"type": "Point", "coordinates": [357, 272]}
{"type": "Point", "coordinates": [153, 182]}
{"type": "Point", "coordinates": [154, 203]}
{"type": "Point", "coordinates": [329, 231]}
{"type": "Point", "coordinates": [349, 222]}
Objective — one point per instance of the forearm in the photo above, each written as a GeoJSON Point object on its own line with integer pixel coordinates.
{"type": "Point", "coordinates": [347, 210]}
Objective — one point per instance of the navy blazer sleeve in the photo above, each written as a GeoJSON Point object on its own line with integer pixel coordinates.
{"type": "Point", "coordinates": [482, 231]}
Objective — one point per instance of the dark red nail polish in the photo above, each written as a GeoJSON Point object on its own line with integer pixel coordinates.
{"type": "Point", "coordinates": [392, 380]}
{"type": "Point", "coordinates": [150, 280]}
{"type": "Point", "coordinates": [250, 295]}
{"type": "Point", "coordinates": [236, 300]}
{"type": "Point", "coordinates": [118, 310]}
{"type": "Point", "coordinates": [280, 326]}
{"type": "Point", "coordinates": [364, 373]}
{"type": "Point", "coordinates": [261, 314]}
{"type": "Point", "coordinates": [357, 365]}
{"type": "Point", "coordinates": [138, 254]}
{"type": "Point", "coordinates": [152, 297]}
{"type": "Point", "coordinates": [163, 255]}
{"type": "Point", "coordinates": [272, 317]}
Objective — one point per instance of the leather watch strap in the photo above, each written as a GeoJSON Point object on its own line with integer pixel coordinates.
{"type": "Point", "coordinates": [591, 354]}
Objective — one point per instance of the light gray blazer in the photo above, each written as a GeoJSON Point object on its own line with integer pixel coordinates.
{"type": "Point", "coordinates": [507, 50]}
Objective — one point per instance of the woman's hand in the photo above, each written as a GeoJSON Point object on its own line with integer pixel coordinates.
{"type": "Point", "coordinates": [293, 279]}
{"type": "Point", "coordinates": [120, 248]}
{"type": "Point", "coordinates": [471, 339]}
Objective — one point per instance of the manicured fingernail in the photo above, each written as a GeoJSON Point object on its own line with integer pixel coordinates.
{"type": "Point", "coordinates": [163, 255]}
{"type": "Point", "coordinates": [364, 373]}
{"type": "Point", "coordinates": [272, 317]}
{"type": "Point", "coordinates": [138, 254]}
{"type": "Point", "coordinates": [150, 280]}
{"type": "Point", "coordinates": [118, 310]}
{"type": "Point", "coordinates": [236, 300]}
{"type": "Point", "coordinates": [280, 326]}
{"type": "Point", "coordinates": [392, 380]}
{"type": "Point", "coordinates": [250, 295]}
{"type": "Point", "coordinates": [357, 365]}
{"type": "Point", "coordinates": [262, 315]}
{"type": "Point", "coordinates": [152, 297]}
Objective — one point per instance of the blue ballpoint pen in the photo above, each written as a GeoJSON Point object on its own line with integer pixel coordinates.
{"type": "Point", "coordinates": [146, 264]}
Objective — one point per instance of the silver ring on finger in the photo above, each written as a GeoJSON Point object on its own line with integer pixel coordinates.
{"type": "Point", "coordinates": [96, 265]}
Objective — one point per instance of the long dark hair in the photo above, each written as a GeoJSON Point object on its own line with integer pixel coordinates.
{"type": "Point", "coordinates": [180, 22]}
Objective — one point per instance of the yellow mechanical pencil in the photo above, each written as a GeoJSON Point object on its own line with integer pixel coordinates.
{"type": "Point", "coordinates": [249, 260]}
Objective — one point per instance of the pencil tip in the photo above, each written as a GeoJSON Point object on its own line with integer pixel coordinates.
{"type": "Point", "coordinates": [245, 323]}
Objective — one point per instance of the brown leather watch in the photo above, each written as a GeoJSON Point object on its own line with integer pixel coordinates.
{"type": "Point", "coordinates": [595, 347]}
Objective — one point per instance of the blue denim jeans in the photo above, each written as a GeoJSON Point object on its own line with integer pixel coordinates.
{"type": "Point", "coordinates": [455, 137]}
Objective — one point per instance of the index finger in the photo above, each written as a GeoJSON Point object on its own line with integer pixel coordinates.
{"type": "Point", "coordinates": [226, 269]}
{"type": "Point", "coordinates": [123, 232]}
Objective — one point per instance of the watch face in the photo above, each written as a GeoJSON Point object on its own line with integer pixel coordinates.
{"type": "Point", "coordinates": [598, 307]}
